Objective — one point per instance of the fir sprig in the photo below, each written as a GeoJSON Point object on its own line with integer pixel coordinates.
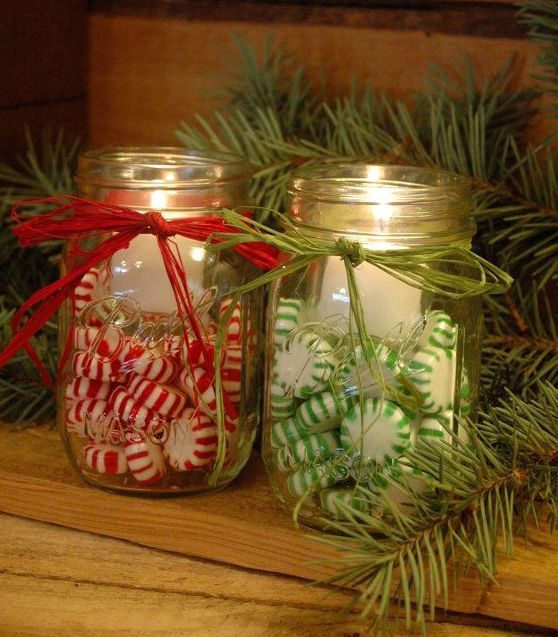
{"type": "Point", "coordinates": [456, 511]}
{"type": "Point", "coordinates": [44, 170]}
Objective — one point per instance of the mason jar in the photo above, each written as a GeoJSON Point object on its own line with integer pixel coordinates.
{"type": "Point", "coordinates": [344, 404]}
{"type": "Point", "coordinates": [138, 398]}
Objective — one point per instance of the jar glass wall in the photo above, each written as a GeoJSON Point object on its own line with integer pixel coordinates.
{"type": "Point", "coordinates": [341, 412]}
{"type": "Point", "coordinates": [137, 404]}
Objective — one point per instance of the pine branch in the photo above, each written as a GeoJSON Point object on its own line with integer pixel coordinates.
{"type": "Point", "coordinates": [42, 171]}
{"type": "Point", "coordinates": [458, 504]}
{"type": "Point", "coordinates": [541, 17]}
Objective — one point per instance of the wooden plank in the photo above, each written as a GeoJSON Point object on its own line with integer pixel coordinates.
{"type": "Point", "coordinates": [66, 576]}
{"type": "Point", "coordinates": [473, 18]}
{"type": "Point", "coordinates": [242, 526]}
{"type": "Point", "coordinates": [148, 74]}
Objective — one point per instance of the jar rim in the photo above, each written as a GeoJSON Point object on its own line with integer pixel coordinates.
{"type": "Point", "coordinates": [388, 205]}
{"type": "Point", "coordinates": [166, 167]}
{"type": "Point", "coordinates": [363, 182]}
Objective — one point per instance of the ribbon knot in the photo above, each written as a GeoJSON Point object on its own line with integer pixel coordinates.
{"type": "Point", "coordinates": [158, 225]}
{"type": "Point", "coordinates": [353, 250]}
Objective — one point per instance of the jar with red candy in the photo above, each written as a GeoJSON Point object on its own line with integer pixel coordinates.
{"type": "Point", "coordinates": [156, 395]}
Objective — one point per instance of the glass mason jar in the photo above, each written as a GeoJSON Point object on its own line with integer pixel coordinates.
{"type": "Point", "coordinates": [137, 404]}
{"type": "Point", "coordinates": [341, 411]}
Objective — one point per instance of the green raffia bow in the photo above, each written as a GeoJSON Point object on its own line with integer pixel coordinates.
{"type": "Point", "coordinates": [428, 269]}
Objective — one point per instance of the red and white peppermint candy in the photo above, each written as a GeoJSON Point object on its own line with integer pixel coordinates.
{"type": "Point", "coordinates": [104, 341]}
{"type": "Point", "coordinates": [91, 287]}
{"type": "Point", "coordinates": [233, 356]}
{"type": "Point", "coordinates": [105, 458]}
{"type": "Point", "coordinates": [80, 388]}
{"type": "Point", "coordinates": [192, 441]}
{"type": "Point", "coordinates": [231, 382]}
{"type": "Point", "coordinates": [234, 322]}
{"type": "Point", "coordinates": [145, 460]}
{"type": "Point", "coordinates": [130, 411]}
{"type": "Point", "coordinates": [164, 399]}
{"type": "Point", "coordinates": [149, 363]}
{"type": "Point", "coordinates": [94, 409]}
{"type": "Point", "coordinates": [172, 345]}
{"type": "Point", "coordinates": [198, 384]}
{"type": "Point", "coordinates": [95, 367]}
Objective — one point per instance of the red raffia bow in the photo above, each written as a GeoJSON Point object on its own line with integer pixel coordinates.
{"type": "Point", "coordinates": [75, 218]}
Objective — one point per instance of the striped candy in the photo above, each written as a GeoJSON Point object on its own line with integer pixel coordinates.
{"type": "Point", "coordinates": [433, 371]}
{"type": "Point", "coordinates": [334, 501]}
{"type": "Point", "coordinates": [361, 376]}
{"type": "Point", "coordinates": [434, 426]}
{"type": "Point", "coordinates": [89, 417]}
{"type": "Point", "coordinates": [94, 367]}
{"type": "Point", "coordinates": [150, 364]}
{"type": "Point", "coordinates": [286, 432]}
{"type": "Point", "coordinates": [164, 399]}
{"type": "Point", "coordinates": [80, 388]}
{"type": "Point", "coordinates": [304, 365]}
{"type": "Point", "coordinates": [232, 356]}
{"type": "Point", "coordinates": [308, 450]}
{"type": "Point", "coordinates": [234, 322]}
{"type": "Point", "coordinates": [145, 460]}
{"type": "Point", "coordinates": [316, 478]}
{"type": "Point", "coordinates": [286, 319]}
{"type": "Point", "coordinates": [439, 331]}
{"type": "Point", "coordinates": [231, 382]}
{"type": "Point", "coordinates": [130, 411]}
{"type": "Point", "coordinates": [192, 441]}
{"type": "Point", "coordinates": [321, 412]}
{"type": "Point", "coordinates": [105, 458]}
{"type": "Point", "coordinates": [282, 406]}
{"type": "Point", "coordinates": [380, 431]}
{"type": "Point", "coordinates": [105, 341]}
{"type": "Point", "coordinates": [92, 286]}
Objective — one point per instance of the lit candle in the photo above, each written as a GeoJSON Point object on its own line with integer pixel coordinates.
{"type": "Point", "coordinates": [138, 271]}
{"type": "Point", "coordinates": [391, 307]}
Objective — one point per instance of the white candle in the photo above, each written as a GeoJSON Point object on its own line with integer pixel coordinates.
{"type": "Point", "coordinates": [138, 271]}
{"type": "Point", "coordinates": [391, 307]}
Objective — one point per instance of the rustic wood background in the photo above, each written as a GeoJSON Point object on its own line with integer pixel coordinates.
{"type": "Point", "coordinates": [153, 64]}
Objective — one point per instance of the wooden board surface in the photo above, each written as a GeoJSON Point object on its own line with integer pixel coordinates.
{"type": "Point", "coordinates": [147, 74]}
{"type": "Point", "coordinates": [82, 584]}
{"type": "Point", "coordinates": [241, 526]}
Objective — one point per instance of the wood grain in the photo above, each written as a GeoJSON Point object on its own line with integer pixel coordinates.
{"type": "Point", "coordinates": [241, 526]}
{"type": "Point", "coordinates": [148, 74]}
{"type": "Point", "coordinates": [81, 584]}
{"type": "Point", "coordinates": [473, 18]}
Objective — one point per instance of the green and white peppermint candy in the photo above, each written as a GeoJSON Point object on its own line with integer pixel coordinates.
{"type": "Point", "coordinates": [304, 365]}
{"type": "Point", "coordinates": [282, 405]}
{"type": "Point", "coordinates": [286, 320]}
{"type": "Point", "coordinates": [316, 478]}
{"type": "Point", "coordinates": [432, 426]}
{"type": "Point", "coordinates": [308, 450]}
{"type": "Point", "coordinates": [380, 431]}
{"type": "Point", "coordinates": [331, 499]}
{"type": "Point", "coordinates": [355, 373]}
{"type": "Point", "coordinates": [321, 412]}
{"type": "Point", "coordinates": [285, 432]}
{"type": "Point", "coordinates": [433, 371]}
{"type": "Point", "coordinates": [382, 481]}
{"type": "Point", "coordinates": [439, 331]}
